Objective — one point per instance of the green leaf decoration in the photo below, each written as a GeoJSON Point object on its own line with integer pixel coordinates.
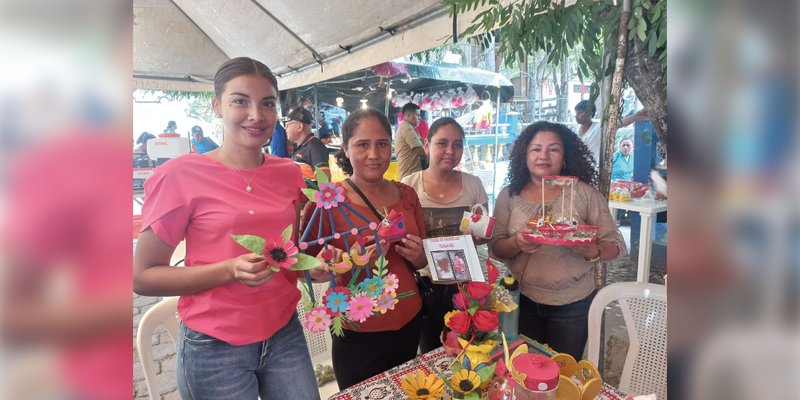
{"type": "Point", "coordinates": [274, 268]}
{"type": "Point", "coordinates": [250, 242]}
{"type": "Point", "coordinates": [308, 301]}
{"type": "Point", "coordinates": [310, 194]}
{"type": "Point", "coordinates": [472, 310]}
{"type": "Point", "coordinates": [321, 177]}
{"type": "Point", "coordinates": [456, 367]}
{"type": "Point", "coordinates": [486, 373]}
{"type": "Point", "coordinates": [305, 262]}
{"type": "Point", "coordinates": [287, 233]}
{"type": "Point", "coordinates": [406, 294]}
{"type": "Point", "coordinates": [336, 325]}
{"type": "Point", "coordinates": [380, 265]}
{"type": "Point", "coordinates": [472, 395]}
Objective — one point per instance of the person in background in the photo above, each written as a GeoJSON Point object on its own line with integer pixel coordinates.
{"type": "Point", "coordinates": [408, 143]}
{"type": "Point", "coordinates": [170, 131]}
{"type": "Point", "coordinates": [336, 125]}
{"type": "Point", "coordinates": [556, 282]}
{"type": "Point", "coordinates": [381, 342]}
{"type": "Point", "coordinates": [445, 193]}
{"type": "Point", "coordinates": [310, 152]}
{"type": "Point", "coordinates": [278, 143]}
{"type": "Point", "coordinates": [240, 337]}
{"type": "Point", "coordinates": [201, 143]}
{"type": "Point", "coordinates": [589, 131]}
{"type": "Point", "coordinates": [324, 130]}
{"type": "Point", "coordinates": [622, 161]}
{"type": "Point", "coordinates": [422, 127]}
{"type": "Point", "coordinates": [141, 142]}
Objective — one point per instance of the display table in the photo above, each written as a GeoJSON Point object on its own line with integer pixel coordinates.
{"type": "Point", "coordinates": [647, 210]}
{"type": "Point", "coordinates": [387, 385]}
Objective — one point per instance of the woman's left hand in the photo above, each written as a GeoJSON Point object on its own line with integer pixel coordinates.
{"type": "Point", "coordinates": [410, 247]}
{"type": "Point", "coordinates": [589, 251]}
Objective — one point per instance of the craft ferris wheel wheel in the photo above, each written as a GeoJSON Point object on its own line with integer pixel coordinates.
{"type": "Point", "coordinates": [562, 230]}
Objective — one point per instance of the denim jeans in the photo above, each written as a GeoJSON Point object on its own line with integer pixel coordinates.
{"type": "Point", "coordinates": [276, 368]}
{"type": "Point", "coordinates": [564, 328]}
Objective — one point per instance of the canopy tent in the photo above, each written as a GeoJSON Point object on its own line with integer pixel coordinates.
{"type": "Point", "coordinates": [371, 84]}
{"type": "Point", "coordinates": [178, 44]}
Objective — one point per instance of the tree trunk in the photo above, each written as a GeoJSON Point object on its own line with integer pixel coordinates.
{"type": "Point", "coordinates": [616, 89]}
{"type": "Point", "coordinates": [563, 100]}
{"type": "Point", "coordinates": [645, 77]}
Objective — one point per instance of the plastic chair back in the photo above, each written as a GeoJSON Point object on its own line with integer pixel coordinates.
{"type": "Point", "coordinates": [644, 309]}
{"type": "Point", "coordinates": [319, 344]}
{"type": "Point", "coordinates": [165, 313]}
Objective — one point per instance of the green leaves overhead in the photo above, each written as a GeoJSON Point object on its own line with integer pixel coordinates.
{"type": "Point", "coordinates": [587, 27]}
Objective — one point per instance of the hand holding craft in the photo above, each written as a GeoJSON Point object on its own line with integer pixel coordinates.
{"type": "Point", "coordinates": [524, 245]}
{"type": "Point", "coordinates": [410, 247]}
{"type": "Point", "coordinates": [250, 269]}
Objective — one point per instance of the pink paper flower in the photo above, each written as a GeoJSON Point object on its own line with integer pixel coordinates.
{"type": "Point", "coordinates": [329, 195]}
{"type": "Point", "coordinates": [390, 283]}
{"type": "Point", "coordinates": [318, 320]}
{"type": "Point", "coordinates": [361, 306]}
{"type": "Point", "coordinates": [280, 254]}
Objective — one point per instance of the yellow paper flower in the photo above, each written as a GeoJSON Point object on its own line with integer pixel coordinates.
{"type": "Point", "coordinates": [423, 386]}
{"type": "Point", "coordinates": [477, 352]}
{"type": "Point", "coordinates": [465, 381]}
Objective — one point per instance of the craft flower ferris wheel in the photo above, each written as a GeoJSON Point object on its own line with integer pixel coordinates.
{"type": "Point", "coordinates": [563, 229]}
{"type": "Point", "coordinates": [352, 303]}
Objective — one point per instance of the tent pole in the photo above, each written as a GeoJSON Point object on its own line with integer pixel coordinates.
{"type": "Point", "coordinates": [496, 146]}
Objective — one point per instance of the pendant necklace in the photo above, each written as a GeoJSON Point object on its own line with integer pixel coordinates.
{"type": "Point", "coordinates": [249, 187]}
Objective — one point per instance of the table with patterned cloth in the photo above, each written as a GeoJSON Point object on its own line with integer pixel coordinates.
{"type": "Point", "coordinates": [387, 385]}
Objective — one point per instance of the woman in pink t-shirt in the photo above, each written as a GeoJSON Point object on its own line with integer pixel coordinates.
{"type": "Point", "coordinates": [240, 335]}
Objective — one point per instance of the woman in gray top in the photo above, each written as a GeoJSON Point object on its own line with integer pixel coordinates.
{"type": "Point", "coordinates": [557, 282]}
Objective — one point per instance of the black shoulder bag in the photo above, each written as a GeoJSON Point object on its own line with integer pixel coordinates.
{"type": "Point", "coordinates": [424, 283]}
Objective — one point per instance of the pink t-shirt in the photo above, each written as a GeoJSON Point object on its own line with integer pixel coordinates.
{"type": "Point", "coordinates": [200, 199]}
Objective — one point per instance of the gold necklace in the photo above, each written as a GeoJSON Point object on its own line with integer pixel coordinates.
{"type": "Point", "coordinates": [248, 188]}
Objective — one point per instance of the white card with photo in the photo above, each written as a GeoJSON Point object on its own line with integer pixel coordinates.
{"type": "Point", "coordinates": [453, 259]}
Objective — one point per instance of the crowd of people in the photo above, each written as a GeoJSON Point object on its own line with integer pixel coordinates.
{"type": "Point", "coordinates": [240, 334]}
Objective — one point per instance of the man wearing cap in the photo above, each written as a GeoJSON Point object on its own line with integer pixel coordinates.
{"type": "Point", "coordinates": [310, 153]}
{"type": "Point", "coordinates": [200, 143]}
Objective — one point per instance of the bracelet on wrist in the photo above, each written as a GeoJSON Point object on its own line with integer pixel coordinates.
{"type": "Point", "coordinates": [597, 258]}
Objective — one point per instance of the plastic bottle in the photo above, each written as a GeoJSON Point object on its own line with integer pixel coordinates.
{"type": "Point", "coordinates": [509, 321]}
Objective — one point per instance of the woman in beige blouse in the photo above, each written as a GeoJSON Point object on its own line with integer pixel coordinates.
{"type": "Point", "coordinates": [557, 282]}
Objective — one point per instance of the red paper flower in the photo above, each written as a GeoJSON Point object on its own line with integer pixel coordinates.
{"type": "Point", "coordinates": [459, 322]}
{"type": "Point", "coordinates": [478, 290]}
{"type": "Point", "coordinates": [280, 254]}
{"type": "Point", "coordinates": [476, 217]}
{"type": "Point", "coordinates": [460, 301]}
{"type": "Point", "coordinates": [485, 321]}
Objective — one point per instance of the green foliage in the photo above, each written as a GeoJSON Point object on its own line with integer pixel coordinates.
{"type": "Point", "coordinates": [287, 233]}
{"type": "Point", "coordinates": [251, 242]}
{"type": "Point", "coordinates": [310, 194]}
{"type": "Point", "coordinates": [583, 28]}
{"type": "Point", "coordinates": [336, 325]}
{"type": "Point", "coordinates": [380, 267]}
{"type": "Point", "coordinates": [304, 262]}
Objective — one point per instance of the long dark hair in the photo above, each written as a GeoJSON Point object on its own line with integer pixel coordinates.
{"type": "Point", "coordinates": [578, 158]}
{"type": "Point", "coordinates": [241, 66]}
{"type": "Point", "coordinates": [350, 125]}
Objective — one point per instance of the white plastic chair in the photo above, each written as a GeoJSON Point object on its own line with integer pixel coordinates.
{"type": "Point", "coordinates": [644, 309]}
{"type": "Point", "coordinates": [165, 313]}
{"type": "Point", "coordinates": [319, 344]}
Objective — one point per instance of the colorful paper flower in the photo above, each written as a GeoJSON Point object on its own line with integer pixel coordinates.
{"type": "Point", "coordinates": [329, 195]}
{"type": "Point", "coordinates": [372, 286]}
{"type": "Point", "coordinates": [280, 254]}
{"type": "Point", "coordinates": [385, 302]}
{"type": "Point", "coordinates": [478, 290]}
{"type": "Point", "coordinates": [318, 320]}
{"type": "Point", "coordinates": [423, 386]}
{"type": "Point", "coordinates": [457, 321]}
{"type": "Point", "coordinates": [485, 321]}
{"type": "Point", "coordinates": [337, 302]}
{"type": "Point", "coordinates": [465, 381]}
{"type": "Point", "coordinates": [390, 283]}
{"type": "Point", "coordinates": [361, 306]}
{"type": "Point", "coordinates": [460, 302]}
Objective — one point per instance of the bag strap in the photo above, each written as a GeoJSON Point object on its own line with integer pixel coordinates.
{"type": "Point", "coordinates": [366, 201]}
{"type": "Point", "coordinates": [481, 207]}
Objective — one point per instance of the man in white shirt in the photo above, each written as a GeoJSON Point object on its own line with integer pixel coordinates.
{"type": "Point", "coordinates": [589, 132]}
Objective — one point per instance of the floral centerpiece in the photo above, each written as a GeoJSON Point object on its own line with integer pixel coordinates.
{"type": "Point", "coordinates": [471, 332]}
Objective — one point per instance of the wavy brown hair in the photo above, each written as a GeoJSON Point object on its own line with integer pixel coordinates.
{"type": "Point", "coordinates": [578, 158]}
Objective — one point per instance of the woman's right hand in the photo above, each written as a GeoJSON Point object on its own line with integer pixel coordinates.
{"type": "Point", "coordinates": [524, 245]}
{"type": "Point", "coordinates": [250, 269]}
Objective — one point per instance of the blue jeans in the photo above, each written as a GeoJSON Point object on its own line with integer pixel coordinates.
{"type": "Point", "coordinates": [564, 328]}
{"type": "Point", "coordinates": [276, 368]}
